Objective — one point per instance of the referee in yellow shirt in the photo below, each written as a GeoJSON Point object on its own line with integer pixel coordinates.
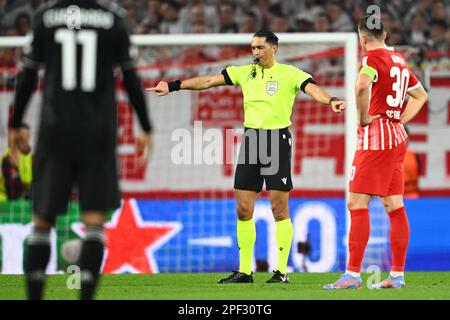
{"type": "Point", "coordinates": [269, 90]}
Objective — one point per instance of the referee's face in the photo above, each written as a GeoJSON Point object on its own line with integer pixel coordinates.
{"type": "Point", "coordinates": [263, 50]}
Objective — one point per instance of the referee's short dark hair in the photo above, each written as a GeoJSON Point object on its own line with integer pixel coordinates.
{"type": "Point", "coordinates": [372, 25]}
{"type": "Point", "coordinates": [269, 35]}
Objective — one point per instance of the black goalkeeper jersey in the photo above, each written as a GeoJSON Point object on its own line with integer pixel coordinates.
{"type": "Point", "coordinates": [79, 43]}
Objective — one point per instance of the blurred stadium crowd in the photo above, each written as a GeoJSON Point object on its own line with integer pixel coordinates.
{"type": "Point", "coordinates": [422, 24]}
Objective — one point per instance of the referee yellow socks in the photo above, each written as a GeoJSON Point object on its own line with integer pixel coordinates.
{"type": "Point", "coordinates": [284, 234]}
{"type": "Point", "coordinates": [246, 236]}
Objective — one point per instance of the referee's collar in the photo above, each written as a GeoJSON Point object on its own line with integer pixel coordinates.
{"type": "Point", "coordinates": [275, 63]}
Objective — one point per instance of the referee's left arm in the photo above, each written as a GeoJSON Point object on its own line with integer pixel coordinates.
{"type": "Point", "coordinates": [322, 96]}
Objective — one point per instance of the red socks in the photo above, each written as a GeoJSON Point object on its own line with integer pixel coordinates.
{"type": "Point", "coordinates": [358, 238]}
{"type": "Point", "coordinates": [360, 233]}
{"type": "Point", "coordinates": [399, 238]}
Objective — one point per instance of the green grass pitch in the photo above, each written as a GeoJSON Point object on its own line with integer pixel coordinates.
{"type": "Point", "coordinates": [204, 286]}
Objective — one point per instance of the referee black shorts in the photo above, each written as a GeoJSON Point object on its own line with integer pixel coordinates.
{"type": "Point", "coordinates": [264, 155]}
{"type": "Point", "coordinates": [54, 177]}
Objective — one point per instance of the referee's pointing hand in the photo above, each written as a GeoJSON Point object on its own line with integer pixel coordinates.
{"type": "Point", "coordinates": [161, 89]}
{"type": "Point", "coordinates": [338, 106]}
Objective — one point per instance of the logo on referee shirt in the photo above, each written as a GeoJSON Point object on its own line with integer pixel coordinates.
{"type": "Point", "coordinates": [272, 87]}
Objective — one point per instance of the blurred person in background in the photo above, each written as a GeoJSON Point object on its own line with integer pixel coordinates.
{"type": "Point", "coordinates": [439, 11]}
{"type": "Point", "coordinates": [16, 168]}
{"type": "Point", "coordinates": [304, 24]}
{"type": "Point", "coordinates": [396, 38]}
{"type": "Point", "coordinates": [152, 16]}
{"type": "Point", "coordinates": [227, 18]}
{"type": "Point", "coordinates": [138, 8]}
{"type": "Point", "coordinates": [30, 8]}
{"type": "Point", "coordinates": [23, 24]}
{"type": "Point", "coordinates": [248, 22]}
{"type": "Point", "coordinates": [357, 13]}
{"type": "Point", "coordinates": [170, 22]}
{"type": "Point", "coordinates": [418, 32]}
{"type": "Point", "coordinates": [411, 169]}
{"type": "Point", "coordinates": [208, 11]}
{"type": "Point", "coordinates": [322, 23]}
{"type": "Point", "coordinates": [309, 8]}
{"type": "Point", "coordinates": [263, 12]}
{"type": "Point", "coordinates": [340, 21]}
{"type": "Point", "coordinates": [195, 54]}
{"type": "Point", "coordinates": [279, 23]}
{"type": "Point", "coordinates": [197, 17]}
{"type": "Point", "coordinates": [421, 5]}
{"type": "Point", "coordinates": [438, 40]}
{"type": "Point", "coordinates": [8, 59]}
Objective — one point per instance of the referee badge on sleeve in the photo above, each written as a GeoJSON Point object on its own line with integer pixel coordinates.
{"type": "Point", "coordinates": [272, 87]}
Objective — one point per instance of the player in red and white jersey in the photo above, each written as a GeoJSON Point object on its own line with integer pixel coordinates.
{"type": "Point", "coordinates": [391, 80]}
{"type": "Point", "coordinates": [383, 83]}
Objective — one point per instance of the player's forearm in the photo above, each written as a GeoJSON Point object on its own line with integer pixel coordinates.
{"type": "Point", "coordinates": [362, 104]}
{"type": "Point", "coordinates": [26, 82]}
{"type": "Point", "coordinates": [198, 83]}
{"type": "Point", "coordinates": [412, 109]}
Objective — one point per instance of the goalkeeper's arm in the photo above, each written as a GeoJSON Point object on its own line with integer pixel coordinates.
{"type": "Point", "coordinates": [198, 83]}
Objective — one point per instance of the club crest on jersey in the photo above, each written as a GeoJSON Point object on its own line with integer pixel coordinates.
{"type": "Point", "coordinates": [272, 87]}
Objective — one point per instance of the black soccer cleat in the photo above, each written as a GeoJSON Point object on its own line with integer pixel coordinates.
{"type": "Point", "coordinates": [238, 277]}
{"type": "Point", "coordinates": [278, 277]}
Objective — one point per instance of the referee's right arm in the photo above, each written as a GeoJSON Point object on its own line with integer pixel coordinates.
{"type": "Point", "coordinates": [198, 83]}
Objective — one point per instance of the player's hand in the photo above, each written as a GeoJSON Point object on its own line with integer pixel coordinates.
{"type": "Point", "coordinates": [369, 119]}
{"type": "Point", "coordinates": [144, 146]}
{"type": "Point", "coordinates": [161, 89]}
{"type": "Point", "coordinates": [338, 106]}
{"type": "Point", "coordinates": [19, 140]}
